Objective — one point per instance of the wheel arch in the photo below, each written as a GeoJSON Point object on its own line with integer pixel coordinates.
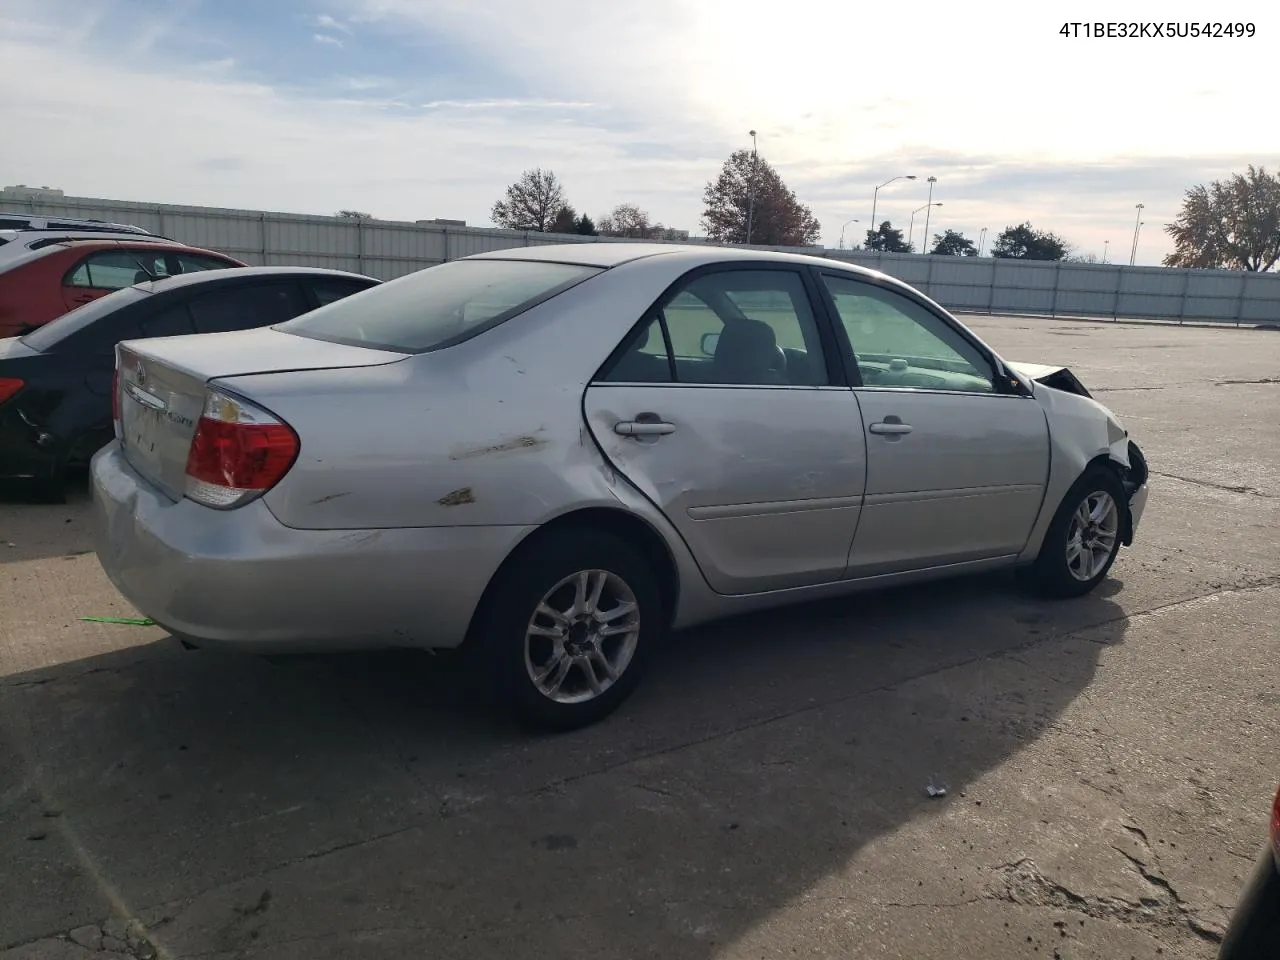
{"type": "Point", "coordinates": [626, 526]}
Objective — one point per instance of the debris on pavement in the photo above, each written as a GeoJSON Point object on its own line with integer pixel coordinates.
{"type": "Point", "coordinates": [128, 621]}
{"type": "Point", "coordinates": [935, 791]}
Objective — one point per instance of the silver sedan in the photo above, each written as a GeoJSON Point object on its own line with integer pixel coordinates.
{"type": "Point", "coordinates": [550, 457]}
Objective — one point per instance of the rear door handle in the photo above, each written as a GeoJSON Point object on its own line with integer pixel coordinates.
{"type": "Point", "coordinates": [893, 429]}
{"type": "Point", "coordinates": [643, 428]}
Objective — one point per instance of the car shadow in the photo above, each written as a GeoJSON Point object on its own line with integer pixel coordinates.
{"type": "Point", "coordinates": [34, 525]}
{"type": "Point", "coordinates": [363, 805]}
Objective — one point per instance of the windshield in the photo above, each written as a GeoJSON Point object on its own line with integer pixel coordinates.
{"type": "Point", "coordinates": [48, 336]}
{"type": "Point", "coordinates": [438, 306]}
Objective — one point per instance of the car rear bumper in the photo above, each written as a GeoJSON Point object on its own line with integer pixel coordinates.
{"type": "Point", "coordinates": [1254, 931]}
{"type": "Point", "coordinates": [240, 578]}
{"type": "Point", "coordinates": [26, 451]}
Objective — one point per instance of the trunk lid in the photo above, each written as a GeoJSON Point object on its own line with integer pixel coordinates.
{"type": "Point", "coordinates": [163, 384]}
{"type": "Point", "coordinates": [12, 348]}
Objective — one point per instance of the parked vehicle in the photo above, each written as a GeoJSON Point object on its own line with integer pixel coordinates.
{"type": "Point", "coordinates": [43, 278]}
{"type": "Point", "coordinates": [1254, 931]}
{"type": "Point", "coordinates": [29, 221]}
{"type": "Point", "coordinates": [55, 383]}
{"type": "Point", "coordinates": [550, 456]}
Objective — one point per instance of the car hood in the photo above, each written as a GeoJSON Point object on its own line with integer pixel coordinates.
{"type": "Point", "coordinates": [1057, 377]}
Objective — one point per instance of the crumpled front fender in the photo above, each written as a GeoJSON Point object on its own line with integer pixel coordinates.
{"type": "Point", "coordinates": [1081, 430]}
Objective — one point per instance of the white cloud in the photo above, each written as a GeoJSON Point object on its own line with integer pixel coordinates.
{"type": "Point", "coordinates": [326, 22]}
{"type": "Point", "coordinates": [507, 104]}
{"type": "Point", "coordinates": [642, 99]}
{"type": "Point", "coordinates": [325, 38]}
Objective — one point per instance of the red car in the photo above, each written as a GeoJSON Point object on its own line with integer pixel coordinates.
{"type": "Point", "coordinates": [49, 276]}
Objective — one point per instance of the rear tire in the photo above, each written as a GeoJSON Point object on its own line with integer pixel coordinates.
{"type": "Point", "coordinates": [566, 629]}
{"type": "Point", "coordinates": [1083, 538]}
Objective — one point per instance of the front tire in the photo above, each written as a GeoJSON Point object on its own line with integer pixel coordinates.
{"type": "Point", "coordinates": [566, 628]}
{"type": "Point", "coordinates": [1083, 538]}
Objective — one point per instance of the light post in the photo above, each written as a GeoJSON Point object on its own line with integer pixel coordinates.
{"type": "Point", "coordinates": [751, 192]}
{"type": "Point", "coordinates": [842, 233]}
{"type": "Point", "coordinates": [1137, 225]}
{"type": "Point", "coordinates": [925, 243]}
{"type": "Point", "coordinates": [1105, 245]}
{"type": "Point", "coordinates": [911, 230]}
{"type": "Point", "coordinates": [982, 240]}
{"type": "Point", "coordinates": [876, 194]}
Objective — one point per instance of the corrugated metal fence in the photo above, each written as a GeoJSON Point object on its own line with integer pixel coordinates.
{"type": "Point", "coordinates": [388, 249]}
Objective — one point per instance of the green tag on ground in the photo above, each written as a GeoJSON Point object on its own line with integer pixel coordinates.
{"type": "Point", "coordinates": [129, 621]}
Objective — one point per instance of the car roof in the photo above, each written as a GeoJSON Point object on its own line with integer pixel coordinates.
{"type": "Point", "coordinates": [240, 273]}
{"type": "Point", "coordinates": [587, 254]}
{"type": "Point", "coordinates": [616, 253]}
{"type": "Point", "coordinates": [12, 220]}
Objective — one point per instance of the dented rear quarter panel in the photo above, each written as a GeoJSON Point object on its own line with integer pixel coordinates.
{"type": "Point", "coordinates": [486, 432]}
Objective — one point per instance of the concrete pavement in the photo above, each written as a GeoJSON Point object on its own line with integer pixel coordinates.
{"type": "Point", "coordinates": [1108, 761]}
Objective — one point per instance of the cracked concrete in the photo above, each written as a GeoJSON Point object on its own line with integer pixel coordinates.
{"type": "Point", "coordinates": [763, 796]}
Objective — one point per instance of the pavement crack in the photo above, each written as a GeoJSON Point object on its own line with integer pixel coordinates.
{"type": "Point", "coordinates": [1149, 875]}
{"type": "Point", "coordinates": [1228, 487]}
{"type": "Point", "coordinates": [1225, 383]}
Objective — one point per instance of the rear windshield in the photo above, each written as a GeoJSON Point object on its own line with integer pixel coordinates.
{"type": "Point", "coordinates": [48, 336]}
{"type": "Point", "coordinates": [438, 306]}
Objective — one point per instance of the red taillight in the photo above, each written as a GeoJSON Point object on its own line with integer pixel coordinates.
{"type": "Point", "coordinates": [238, 451]}
{"type": "Point", "coordinates": [1275, 829]}
{"type": "Point", "coordinates": [9, 387]}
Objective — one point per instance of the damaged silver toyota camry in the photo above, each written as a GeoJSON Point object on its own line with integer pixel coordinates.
{"type": "Point", "coordinates": [552, 456]}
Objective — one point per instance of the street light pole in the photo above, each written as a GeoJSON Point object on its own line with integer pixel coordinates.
{"type": "Point", "coordinates": [751, 192]}
{"type": "Point", "coordinates": [1137, 225]}
{"type": "Point", "coordinates": [924, 244]}
{"type": "Point", "coordinates": [842, 233]}
{"type": "Point", "coordinates": [911, 230]}
{"type": "Point", "coordinates": [1105, 245]}
{"type": "Point", "coordinates": [982, 240]}
{"type": "Point", "coordinates": [876, 194]}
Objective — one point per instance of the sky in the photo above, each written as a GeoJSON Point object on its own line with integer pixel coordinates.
{"type": "Point", "coordinates": [415, 109]}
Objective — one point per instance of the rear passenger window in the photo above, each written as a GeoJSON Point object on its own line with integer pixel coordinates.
{"type": "Point", "coordinates": [327, 290]}
{"type": "Point", "coordinates": [107, 270]}
{"type": "Point", "coordinates": [194, 262]}
{"type": "Point", "coordinates": [243, 308]}
{"type": "Point", "coordinates": [172, 322]}
{"type": "Point", "coordinates": [740, 327]}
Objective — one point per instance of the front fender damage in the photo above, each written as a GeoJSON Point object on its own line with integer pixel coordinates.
{"type": "Point", "coordinates": [1084, 432]}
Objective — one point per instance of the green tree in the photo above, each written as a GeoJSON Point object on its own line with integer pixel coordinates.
{"type": "Point", "coordinates": [566, 220]}
{"type": "Point", "coordinates": [355, 215]}
{"type": "Point", "coordinates": [531, 203]}
{"type": "Point", "coordinates": [953, 243]}
{"type": "Point", "coordinates": [1024, 242]}
{"type": "Point", "coordinates": [1232, 224]}
{"type": "Point", "coordinates": [585, 227]}
{"type": "Point", "coordinates": [887, 240]}
{"type": "Point", "coordinates": [748, 189]}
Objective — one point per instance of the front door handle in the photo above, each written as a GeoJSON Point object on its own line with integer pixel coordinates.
{"type": "Point", "coordinates": [890, 428]}
{"type": "Point", "coordinates": [643, 428]}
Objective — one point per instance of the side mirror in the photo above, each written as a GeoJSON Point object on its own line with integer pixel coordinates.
{"type": "Point", "coordinates": [709, 342]}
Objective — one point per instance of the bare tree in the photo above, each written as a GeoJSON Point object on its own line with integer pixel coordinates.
{"type": "Point", "coordinates": [531, 203]}
{"type": "Point", "coordinates": [355, 215]}
{"type": "Point", "coordinates": [1233, 224]}
{"type": "Point", "coordinates": [748, 187]}
{"type": "Point", "coordinates": [628, 220]}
